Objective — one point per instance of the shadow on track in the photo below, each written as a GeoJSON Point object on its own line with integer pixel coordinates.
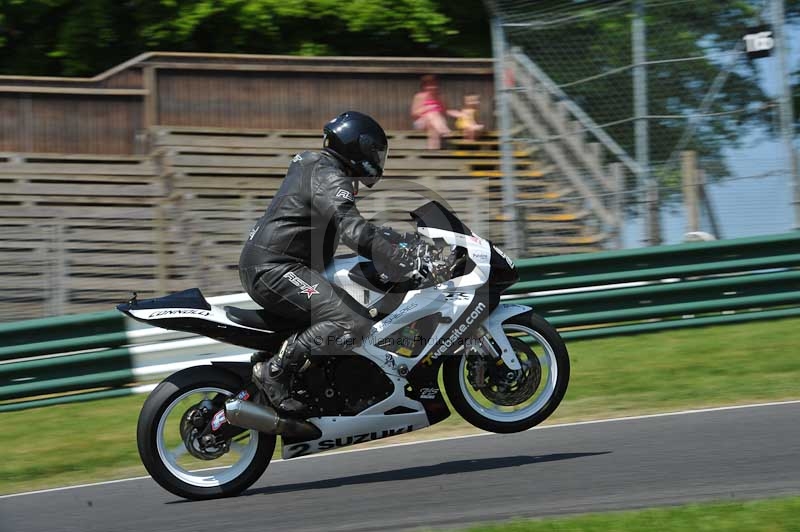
{"type": "Point", "coordinates": [409, 473]}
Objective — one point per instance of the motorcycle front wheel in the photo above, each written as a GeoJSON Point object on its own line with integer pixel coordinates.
{"type": "Point", "coordinates": [167, 436]}
{"type": "Point", "coordinates": [494, 398]}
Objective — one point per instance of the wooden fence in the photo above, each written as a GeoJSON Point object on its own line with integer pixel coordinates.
{"type": "Point", "coordinates": [111, 113]}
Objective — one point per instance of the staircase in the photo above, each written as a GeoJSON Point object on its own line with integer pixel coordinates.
{"type": "Point", "coordinates": [586, 166]}
{"type": "Point", "coordinates": [550, 216]}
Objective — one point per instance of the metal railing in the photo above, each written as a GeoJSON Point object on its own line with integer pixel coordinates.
{"type": "Point", "coordinates": [587, 159]}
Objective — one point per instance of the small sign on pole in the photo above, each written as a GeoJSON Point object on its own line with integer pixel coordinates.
{"type": "Point", "coordinates": [759, 42]}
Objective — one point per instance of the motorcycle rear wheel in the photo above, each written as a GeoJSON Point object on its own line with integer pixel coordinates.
{"type": "Point", "coordinates": [510, 401]}
{"type": "Point", "coordinates": [168, 460]}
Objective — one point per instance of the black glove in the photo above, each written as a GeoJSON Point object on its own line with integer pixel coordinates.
{"type": "Point", "coordinates": [418, 261]}
{"type": "Point", "coordinates": [410, 258]}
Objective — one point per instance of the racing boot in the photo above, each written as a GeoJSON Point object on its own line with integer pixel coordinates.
{"type": "Point", "coordinates": [274, 378]}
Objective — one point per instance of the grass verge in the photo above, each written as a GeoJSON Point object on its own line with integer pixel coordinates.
{"type": "Point", "coordinates": [611, 377]}
{"type": "Point", "coordinates": [772, 515]}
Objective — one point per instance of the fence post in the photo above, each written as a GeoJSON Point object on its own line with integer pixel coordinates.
{"type": "Point", "coordinates": [475, 214]}
{"type": "Point", "coordinates": [59, 294]}
{"type": "Point", "coordinates": [519, 226]}
{"type": "Point", "coordinates": [646, 181]}
{"type": "Point", "coordinates": [161, 222]}
{"type": "Point", "coordinates": [504, 125]}
{"type": "Point", "coordinates": [150, 117]}
{"type": "Point", "coordinates": [786, 103]}
{"type": "Point", "coordinates": [618, 202]}
{"type": "Point", "coordinates": [690, 190]}
{"type": "Point", "coordinates": [716, 229]}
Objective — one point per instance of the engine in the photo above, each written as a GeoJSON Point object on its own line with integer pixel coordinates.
{"type": "Point", "coordinates": [342, 385]}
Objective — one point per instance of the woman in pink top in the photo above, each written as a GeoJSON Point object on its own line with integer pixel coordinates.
{"type": "Point", "coordinates": [428, 112]}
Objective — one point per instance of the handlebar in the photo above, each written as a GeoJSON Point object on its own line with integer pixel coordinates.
{"type": "Point", "coordinates": [441, 268]}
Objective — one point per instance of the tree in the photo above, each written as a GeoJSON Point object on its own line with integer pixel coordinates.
{"type": "Point", "coordinates": [586, 48]}
{"type": "Point", "coordinates": [85, 37]}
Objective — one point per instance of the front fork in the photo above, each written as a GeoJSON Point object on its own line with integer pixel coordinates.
{"type": "Point", "coordinates": [499, 346]}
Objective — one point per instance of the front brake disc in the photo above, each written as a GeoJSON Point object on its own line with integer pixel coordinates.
{"type": "Point", "coordinates": [507, 387]}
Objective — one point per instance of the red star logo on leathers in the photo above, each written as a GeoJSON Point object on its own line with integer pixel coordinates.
{"type": "Point", "coordinates": [305, 288]}
{"type": "Point", "coordinates": [310, 290]}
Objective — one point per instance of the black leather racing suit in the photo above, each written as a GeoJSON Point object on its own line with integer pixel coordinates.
{"type": "Point", "coordinates": [292, 243]}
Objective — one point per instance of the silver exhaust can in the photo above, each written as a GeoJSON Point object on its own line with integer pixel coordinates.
{"type": "Point", "coordinates": [249, 415]}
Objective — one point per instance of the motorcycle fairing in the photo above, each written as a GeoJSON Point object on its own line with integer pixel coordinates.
{"type": "Point", "coordinates": [189, 299]}
{"type": "Point", "coordinates": [435, 215]}
{"type": "Point", "coordinates": [342, 431]}
{"type": "Point", "coordinates": [462, 306]}
{"type": "Point", "coordinates": [189, 311]}
{"type": "Point", "coordinates": [423, 404]}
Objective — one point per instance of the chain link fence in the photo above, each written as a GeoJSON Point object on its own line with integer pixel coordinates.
{"type": "Point", "coordinates": [658, 118]}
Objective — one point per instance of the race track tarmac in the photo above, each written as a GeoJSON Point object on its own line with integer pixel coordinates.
{"type": "Point", "coordinates": [739, 453]}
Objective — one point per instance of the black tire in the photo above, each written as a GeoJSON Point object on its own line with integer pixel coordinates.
{"type": "Point", "coordinates": [146, 434]}
{"type": "Point", "coordinates": [452, 375]}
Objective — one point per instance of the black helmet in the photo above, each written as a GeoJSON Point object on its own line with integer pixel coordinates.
{"type": "Point", "coordinates": [361, 142]}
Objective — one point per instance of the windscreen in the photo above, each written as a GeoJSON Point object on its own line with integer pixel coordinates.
{"type": "Point", "coordinates": [435, 215]}
{"type": "Point", "coordinates": [382, 155]}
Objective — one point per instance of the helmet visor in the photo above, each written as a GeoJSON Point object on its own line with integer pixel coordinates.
{"type": "Point", "coordinates": [382, 155]}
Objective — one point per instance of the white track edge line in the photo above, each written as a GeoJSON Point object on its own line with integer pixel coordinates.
{"type": "Point", "coordinates": [446, 438]}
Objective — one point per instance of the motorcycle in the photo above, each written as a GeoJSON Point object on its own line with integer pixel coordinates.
{"type": "Point", "coordinates": [207, 431]}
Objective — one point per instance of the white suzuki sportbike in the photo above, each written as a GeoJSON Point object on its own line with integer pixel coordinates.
{"type": "Point", "coordinates": [208, 432]}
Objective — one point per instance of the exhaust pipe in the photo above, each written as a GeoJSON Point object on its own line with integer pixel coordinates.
{"type": "Point", "coordinates": [249, 415]}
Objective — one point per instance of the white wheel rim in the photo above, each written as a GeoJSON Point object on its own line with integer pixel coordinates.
{"type": "Point", "coordinates": [547, 360]}
{"type": "Point", "coordinates": [210, 476]}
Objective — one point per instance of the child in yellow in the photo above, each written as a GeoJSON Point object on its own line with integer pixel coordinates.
{"type": "Point", "coordinates": [467, 117]}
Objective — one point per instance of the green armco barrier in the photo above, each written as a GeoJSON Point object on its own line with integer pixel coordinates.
{"type": "Point", "coordinates": [680, 323]}
{"type": "Point", "coordinates": [731, 288]}
{"type": "Point", "coordinates": [693, 253]}
{"type": "Point", "coordinates": [59, 328]}
{"type": "Point", "coordinates": [68, 384]}
{"type": "Point", "coordinates": [27, 376]}
{"type": "Point", "coordinates": [64, 399]}
{"type": "Point", "coordinates": [591, 295]}
{"type": "Point", "coordinates": [56, 363]}
{"type": "Point", "coordinates": [630, 272]}
{"type": "Point", "coordinates": [666, 311]}
{"type": "Point", "coordinates": [77, 343]}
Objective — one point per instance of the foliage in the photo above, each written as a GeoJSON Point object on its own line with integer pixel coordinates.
{"type": "Point", "coordinates": [67, 37]}
{"type": "Point", "coordinates": [83, 38]}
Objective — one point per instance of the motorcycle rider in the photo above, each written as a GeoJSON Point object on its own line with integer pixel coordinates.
{"type": "Point", "coordinates": [290, 245]}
